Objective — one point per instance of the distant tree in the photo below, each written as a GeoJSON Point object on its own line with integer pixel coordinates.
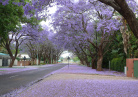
{"type": "Point", "coordinates": [15, 39]}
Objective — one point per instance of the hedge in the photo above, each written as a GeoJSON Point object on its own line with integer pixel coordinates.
{"type": "Point", "coordinates": [118, 64]}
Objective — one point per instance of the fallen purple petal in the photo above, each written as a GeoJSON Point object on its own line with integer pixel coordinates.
{"type": "Point", "coordinates": [81, 81]}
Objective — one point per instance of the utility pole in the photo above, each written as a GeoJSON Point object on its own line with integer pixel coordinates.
{"type": "Point", "coordinates": [96, 44]}
{"type": "Point", "coordinates": [68, 61]}
{"type": "Point", "coordinates": [96, 47]}
{"type": "Point", "coordinates": [51, 55]}
{"type": "Point", "coordinates": [37, 54]}
{"type": "Point", "coordinates": [109, 65]}
{"type": "Point", "coordinates": [56, 56]}
{"type": "Point", "coordinates": [24, 61]}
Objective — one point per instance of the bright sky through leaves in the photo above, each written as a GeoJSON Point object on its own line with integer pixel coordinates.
{"type": "Point", "coordinates": [65, 54]}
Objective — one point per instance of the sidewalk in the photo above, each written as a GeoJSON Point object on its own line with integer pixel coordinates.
{"type": "Point", "coordinates": [81, 81]}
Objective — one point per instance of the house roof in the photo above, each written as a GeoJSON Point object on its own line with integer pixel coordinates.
{"type": "Point", "coordinates": [2, 55]}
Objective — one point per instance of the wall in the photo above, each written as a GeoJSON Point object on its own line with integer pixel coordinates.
{"type": "Point", "coordinates": [0, 62]}
{"type": "Point", "coordinates": [41, 61]}
{"type": "Point", "coordinates": [15, 62]}
{"type": "Point", "coordinates": [24, 63]}
{"type": "Point", "coordinates": [130, 66]}
{"type": "Point", "coordinates": [9, 60]}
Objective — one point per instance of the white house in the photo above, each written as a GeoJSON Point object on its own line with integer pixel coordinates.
{"type": "Point", "coordinates": [21, 61]}
{"type": "Point", "coordinates": [21, 56]}
{"type": "Point", "coordinates": [4, 59]}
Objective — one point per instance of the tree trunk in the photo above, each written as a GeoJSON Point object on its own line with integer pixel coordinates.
{"type": "Point", "coordinates": [130, 17]}
{"type": "Point", "coordinates": [87, 63]}
{"type": "Point", "coordinates": [57, 58]}
{"type": "Point", "coordinates": [12, 62]}
{"type": "Point", "coordinates": [49, 59]}
{"type": "Point", "coordinates": [52, 61]}
{"type": "Point", "coordinates": [33, 61]}
{"type": "Point", "coordinates": [81, 62]}
{"type": "Point", "coordinates": [93, 63]}
{"type": "Point", "coordinates": [125, 35]}
{"type": "Point", "coordinates": [44, 60]}
{"type": "Point", "coordinates": [84, 63]}
{"type": "Point", "coordinates": [99, 63]}
{"type": "Point", "coordinates": [38, 61]}
{"type": "Point", "coordinates": [100, 60]}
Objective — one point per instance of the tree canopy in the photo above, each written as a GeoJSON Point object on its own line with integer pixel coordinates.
{"type": "Point", "coordinates": [88, 28]}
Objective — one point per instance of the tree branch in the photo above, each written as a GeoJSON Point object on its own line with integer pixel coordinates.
{"type": "Point", "coordinates": [111, 3]}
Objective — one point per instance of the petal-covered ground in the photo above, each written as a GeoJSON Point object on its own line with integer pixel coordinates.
{"type": "Point", "coordinates": [87, 70]}
{"type": "Point", "coordinates": [79, 81]}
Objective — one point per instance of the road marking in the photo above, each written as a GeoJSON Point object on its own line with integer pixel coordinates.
{"type": "Point", "coordinates": [13, 76]}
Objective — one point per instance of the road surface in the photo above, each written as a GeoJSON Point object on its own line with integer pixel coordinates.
{"type": "Point", "coordinates": [10, 82]}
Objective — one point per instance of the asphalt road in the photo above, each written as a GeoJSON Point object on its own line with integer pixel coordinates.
{"type": "Point", "coordinates": [10, 82]}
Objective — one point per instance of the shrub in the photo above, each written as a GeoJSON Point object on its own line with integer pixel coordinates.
{"type": "Point", "coordinates": [75, 59]}
{"type": "Point", "coordinates": [136, 54]}
{"type": "Point", "coordinates": [118, 64]}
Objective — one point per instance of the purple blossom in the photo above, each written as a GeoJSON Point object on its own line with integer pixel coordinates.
{"type": "Point", "coordinates": [5, 2]}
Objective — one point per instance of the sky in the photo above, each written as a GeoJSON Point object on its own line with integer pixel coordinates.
{"type": "Point", "coordinates": [52, 10]}
{"type": "Point", "coordinates": [65, 54]}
